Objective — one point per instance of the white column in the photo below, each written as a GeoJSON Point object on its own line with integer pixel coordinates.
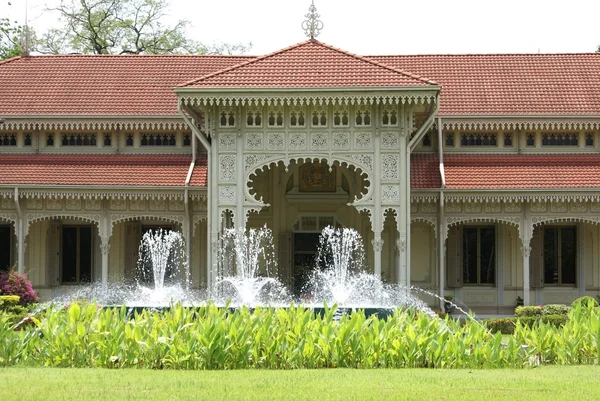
{"type": "Point", "coordinates": [442, 234]}
{"type": "Point", "coordinates": [526, 235]}
{"type": "Point", "coordinates": [214, 220]}
{"type": "Point", "coordinates": [377, 244]}
{"type": "Point", "coordinates": [105, 234]}
{"type": "Point", "coordinates": [20, 233]}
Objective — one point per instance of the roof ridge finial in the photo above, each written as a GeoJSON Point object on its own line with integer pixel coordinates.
{"type": "Point", "coordinates": [312, 25]}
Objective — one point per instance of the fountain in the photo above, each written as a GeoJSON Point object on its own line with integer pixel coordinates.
{"type": "Point", "coordinates": [252, 255]}
{"type": "Point", "coordinates": [246, 276]}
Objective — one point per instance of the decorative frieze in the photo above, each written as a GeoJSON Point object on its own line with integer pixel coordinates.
{"type": "Point", "coordinates": [538, 207]}
{"type": "Point", "coordinates": [595, 207]}
{"type": "Point", "coordinates": [453, 207]}
{"type": "Point", "coordinates": [117, 204]}
{"type": "Point", "coordinates": [34, 203]}
{"type": "Point", "coordinates": [471, 207]}
{"type": "Point", "coordinates": [157, 205]}
{"type": "Point", "coordinates": [73, 204]}
{"type": "Point", "coordinates": [176, 205]}
{"type": "Point", "coordinates": [493, 207]}
{"type": "Point", "coordinates": [577, 207]}
{"type": "Point", "coordinates": [512, 207]}
{"type": "Point", "coordinates": [137, 204]}
{"type": "Point", "coordinates": [7, 203]}
{"type": "Point", "coordinates": [558, 207]}
{"type": "Point", "coordinates": [429, 207]}
{"type": "Point", "coordinates": [54, 204]}
{"type": "Point", "coordinates": [93, 204]}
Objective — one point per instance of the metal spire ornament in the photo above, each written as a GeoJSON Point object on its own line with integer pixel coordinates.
{"type": "Point", "coordinates": [312, 25]}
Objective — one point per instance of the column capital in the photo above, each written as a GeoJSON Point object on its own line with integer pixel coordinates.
{"type": "Point", "coordinates": [377, 244]}
{"type": "Point", "coordinates": [526, 249]}
{"type": "Point", "coordinates": [401, 244]}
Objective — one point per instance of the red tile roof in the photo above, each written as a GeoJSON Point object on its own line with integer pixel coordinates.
{"type": "Point", "coordinates": [505, 84]}
{"type": "Point", "coordinates": [510, 84]}
{"type": "Point", "coordinates": [310, 64]}
{"type": "Point", "coordinates": [424, 171]}
{"type": "Point", "coordinates": [101, 170]}
{"type": "Point", "coordinates": [522, 171]}
{"type": "Point", "coordinates": [100, 84]}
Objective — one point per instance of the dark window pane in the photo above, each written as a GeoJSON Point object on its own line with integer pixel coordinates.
{"type": "Point", "coordinates": [487, 250]}
{"type": "Point", "coordinates": [69, 255]}
{"type": "Point", "coordinates": [551, 256]}
{"type": "Point", "coordinates": [4, 248]}
{"type": "Point", "coordinates": [306, 242]}
{"type": "Point", "coordinates": [470, 255]}
{"type": "Point", "coordinates": [85, 254]}
{"type": "Point", "coordinates": [568, 247]}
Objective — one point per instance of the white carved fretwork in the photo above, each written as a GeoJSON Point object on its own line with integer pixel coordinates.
{"type": "Point", "coordinates": [341, 141]}
{"type": "Point", "coordinates": [253, 160]}
{"type": "Point", "coordinates": [105, 248]}
{"type": "Point", "coordinates": [227, 167]}
{"type": "Point", "coordinates": [319, 141]}
{"type": "Point", "coordinates": [254, 141]}
{"type": "Point", "coordinates": [389, 140]}
{"type": "Point", "coordinates": [511, 220]}
{"type": "Point", "coordinates": [389, 167]}
{"type": "Point", "coordinates": [227, 142]}
{"type": "Point", "coordinates": [176, 205]}
{"type": "Point", "coordinates": [390, 193]}
{"type": "Point", "coordinates": [525, 249]}
{"type": "Point", "coordinates": [363, 141]}
{"type": "Point", "coordinates": [298, 141]}
{"type": "Point", "coordinates": [275, 141]}
{"type": "Point", "coordinates": [227, 194]}
{"type": "Point", "coordinates": [538, 220]}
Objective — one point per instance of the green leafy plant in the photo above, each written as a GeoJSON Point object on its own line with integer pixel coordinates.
{"type": "Point", "coordinates": [523, 311]}
{"type": "Point", "coordinates": [555, 309]}
{"type": "Point", "coordinates": [584, 301]}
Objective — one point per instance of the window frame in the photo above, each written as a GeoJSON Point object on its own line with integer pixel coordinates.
{"type": "Point", "coordinates": [559, 257]}
{"type": "Point", "coordinates": [478, 255]}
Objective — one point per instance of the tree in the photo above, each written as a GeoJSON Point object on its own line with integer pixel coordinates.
{"type": "Point", "coordinates": [121, 27]}
{"type": "Point", "coordinates": [10, 34]}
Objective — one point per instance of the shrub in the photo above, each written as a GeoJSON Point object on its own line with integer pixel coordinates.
{"type": "Point", "coordinates": [555, 309]}
{"type": "Point", "coordinates": [502, 325]}
{"type": "Point", "coordinates": [8, 300]}
{"type": "Point", "coordinates": [526, 311]}
{"type": "Point", "coordinates": [584, 301]}
{"type": "Point", "coordinates": [13, 283]}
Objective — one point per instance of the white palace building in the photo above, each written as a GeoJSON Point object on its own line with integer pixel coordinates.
{"type": "Point", "coordinates": [471, 175]}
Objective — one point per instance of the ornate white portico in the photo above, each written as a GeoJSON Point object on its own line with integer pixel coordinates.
{"type": "Point", "coordinates": [370, 129]}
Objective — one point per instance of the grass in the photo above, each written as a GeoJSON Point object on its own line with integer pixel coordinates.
{"type": "Point", "coordinates": [542, 383]}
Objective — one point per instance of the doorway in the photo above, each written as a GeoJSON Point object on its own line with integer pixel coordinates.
{"type": "Point", "coordinates": [76, 254]}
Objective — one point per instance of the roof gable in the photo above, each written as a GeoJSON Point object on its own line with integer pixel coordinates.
{"type": "Point", "coordinates": [309, 64]}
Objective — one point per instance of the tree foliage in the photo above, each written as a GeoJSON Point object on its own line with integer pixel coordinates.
{"type": "Point", "coordinates": [10, 34]}
{"type": "Point", "coordinates": [122, 27]}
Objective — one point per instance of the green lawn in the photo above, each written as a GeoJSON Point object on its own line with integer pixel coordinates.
{"type": "Point", "coordinates": [542, 383]}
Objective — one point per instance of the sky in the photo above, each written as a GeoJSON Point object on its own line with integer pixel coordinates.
{"type": "Point", "coordinates": [376, 27]}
